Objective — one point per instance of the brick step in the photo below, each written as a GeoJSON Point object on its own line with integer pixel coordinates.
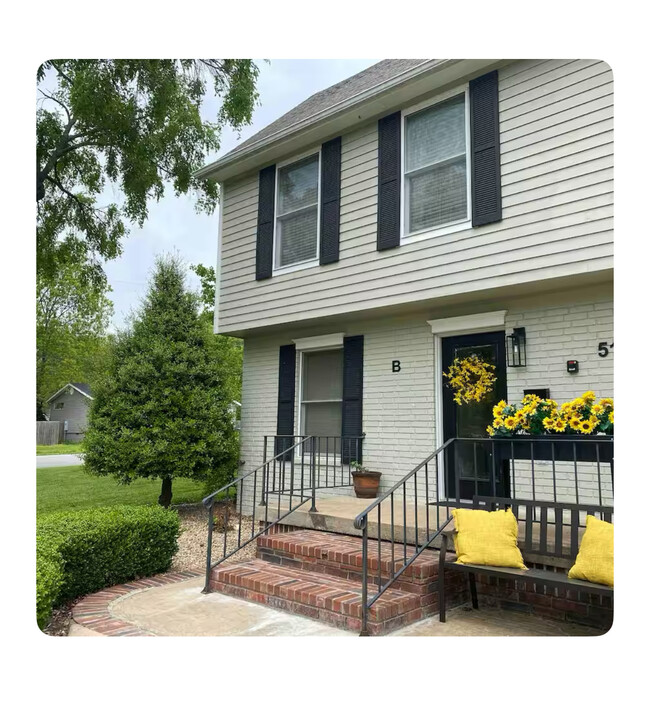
{"type": "Point", "coordinates": [341, 556]}
{"type": "Point", "coordinates": [332, 600]}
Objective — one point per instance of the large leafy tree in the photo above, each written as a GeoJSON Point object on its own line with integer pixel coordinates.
{"type": "Point", "coordinates": [72, 317]}
{"type": "Point", "coordinates": [135, 124]}
{"type": "Point", "coordinates": [228, 349]}
{"type": "Point", "coordinates": [163, 410]}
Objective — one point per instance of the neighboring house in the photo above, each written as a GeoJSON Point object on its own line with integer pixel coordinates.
{"type": "Point", "coordinates": [420, 210]}
{"type": "Point", "coordinates": [70, 405]}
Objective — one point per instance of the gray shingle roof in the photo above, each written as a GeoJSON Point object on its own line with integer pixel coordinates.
{"type": "Point", "coordinates": [366, 79]}
{"type": "Point", "coordinates": [84, 387]}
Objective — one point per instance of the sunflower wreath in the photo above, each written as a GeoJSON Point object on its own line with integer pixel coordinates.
{"type": "Point", "coordinates": [471, 379]}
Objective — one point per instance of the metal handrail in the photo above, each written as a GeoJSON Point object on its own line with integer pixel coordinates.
{"type": "Point", "coordinates": [383, 497]}
{"type": "Point", "coordinates": [361, 522]}
{"type": "Point", "coordinates": [209, 502]}
{"type": "Point", "coordinates": [554, 451]}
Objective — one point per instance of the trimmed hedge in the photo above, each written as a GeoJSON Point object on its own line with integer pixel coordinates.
{"type": "Point", "coordinates": [80, 552]}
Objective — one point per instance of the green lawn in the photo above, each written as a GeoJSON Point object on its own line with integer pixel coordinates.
{"type": "Point", "coordinates": [70, 489]}
{"type": "Point", "coordinates": [59, 449]}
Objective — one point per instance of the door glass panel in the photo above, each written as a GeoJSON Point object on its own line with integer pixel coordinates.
{"type": "Point", "coordinates": [472, 462]}
{"type": "Point", "coordinates": [472, 419]}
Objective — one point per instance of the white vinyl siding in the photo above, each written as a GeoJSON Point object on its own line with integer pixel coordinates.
{"type": "Point", "coordinates": [556, 177]}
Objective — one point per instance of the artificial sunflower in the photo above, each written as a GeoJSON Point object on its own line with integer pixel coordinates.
{"type": "Point", "coordinates": [574, 422]}
{"type": "Point", "coordinates": [585, 427]}
{"type": "Point", "coordinates": [510, 422]}
{"type": "Point", "coordinates": [560, 426]}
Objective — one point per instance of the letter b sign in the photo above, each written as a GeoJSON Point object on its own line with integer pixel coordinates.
{"type": "Point", "coordinates": [396, 366]}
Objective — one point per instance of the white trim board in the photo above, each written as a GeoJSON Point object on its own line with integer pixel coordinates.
{"type": "Point", "coordinates": [470, 322]}
{"type": "Point", "coordinates": [331, 340]}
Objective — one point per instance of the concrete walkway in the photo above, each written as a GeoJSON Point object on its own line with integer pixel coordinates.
{"type": "Point", "coordinates": [180, 609]}
{"type": "Point", "coordinates": [59, 460]}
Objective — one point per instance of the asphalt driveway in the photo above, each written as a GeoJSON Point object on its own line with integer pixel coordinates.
{"type": "Point", "coordinates": [58, 460]}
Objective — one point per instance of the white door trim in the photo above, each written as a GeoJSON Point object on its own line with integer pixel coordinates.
{"type": "Point", "coordinates": [456, 326]}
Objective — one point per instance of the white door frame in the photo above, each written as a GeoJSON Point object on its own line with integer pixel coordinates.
{"type": "Point", "coordinates": [455, 326]}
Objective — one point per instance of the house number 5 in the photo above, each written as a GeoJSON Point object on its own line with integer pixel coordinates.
{"type": "Point", "coordinates": [603, 348]}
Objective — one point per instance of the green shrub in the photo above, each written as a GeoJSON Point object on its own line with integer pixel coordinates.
{"type": "Point", "coordinates": [83, 551]}
{"type": "Point", "coordinates": [49, 576]}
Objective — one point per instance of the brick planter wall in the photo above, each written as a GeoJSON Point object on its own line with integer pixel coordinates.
{"type": "Point", "coordinates": [545, 601]}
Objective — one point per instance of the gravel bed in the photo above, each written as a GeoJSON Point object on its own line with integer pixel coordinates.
{"type": "Point", "coordinates": [194, 535]}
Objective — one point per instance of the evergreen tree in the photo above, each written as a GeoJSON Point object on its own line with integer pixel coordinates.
{"type": "Point", "coordinates": [163, 409]}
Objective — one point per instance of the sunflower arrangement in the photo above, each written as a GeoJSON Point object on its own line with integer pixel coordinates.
{"type": "Point", "coordinates": [471, 379]}
{"type": "Point", "coordinates": [584, 415]}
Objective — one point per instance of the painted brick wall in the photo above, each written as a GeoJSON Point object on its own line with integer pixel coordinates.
{"type": "Point", "coordinates": [560, 333]}
{"type": "Point", "coordinates": [554, 335]}
{"type": "Point", "coordinates": [398, 411]}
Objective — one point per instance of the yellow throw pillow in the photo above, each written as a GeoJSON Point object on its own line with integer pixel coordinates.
{"type": "Point", "coordinates": [487, 538]}
{"type": "Point", "coordinates": [595, 561]}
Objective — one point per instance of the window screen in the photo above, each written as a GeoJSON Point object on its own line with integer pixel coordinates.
{"type": "Point", "coordinates": [322, 396]}
{"type": "Point", "coordinates": [297, 221]}
{"type": "Point", "coordinates": [435, 166]}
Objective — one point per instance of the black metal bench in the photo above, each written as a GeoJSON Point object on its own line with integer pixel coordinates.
{"type": "Point", "coordinates": [547, 541]}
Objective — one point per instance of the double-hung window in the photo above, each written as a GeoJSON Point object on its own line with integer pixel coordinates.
{"type": "Point", "coordinates": [321, 398]}
{"type": "Point", "coordinates": [296, 223]}
{"type": "Point", "coordinates": [436, 166]}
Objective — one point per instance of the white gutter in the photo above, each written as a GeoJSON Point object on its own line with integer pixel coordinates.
{"type": "Point", "coordinates": [324, 114]}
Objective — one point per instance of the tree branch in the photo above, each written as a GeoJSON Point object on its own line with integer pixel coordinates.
{"type": "Point", "coordinates": [44, 173]}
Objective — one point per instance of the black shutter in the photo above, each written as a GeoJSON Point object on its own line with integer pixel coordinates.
{"type": "Point", "coordinates": [486, 165]}
{"type": "Point", "coordinates": [352, 423]}
{"type": "Point", "coordinates": [265, 215]}
{"type": "Point", "coordinates": [389, 146]}
{"type": "Point", "coordinates": [330, 200]}
{"type": "Point", "coordinates": [286, 397]}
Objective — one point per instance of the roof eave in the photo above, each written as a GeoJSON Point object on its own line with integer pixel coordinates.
{"type": "Point", "coordinates": [435, 73]}
{"type": "Point", "coordinates": [69, 384]}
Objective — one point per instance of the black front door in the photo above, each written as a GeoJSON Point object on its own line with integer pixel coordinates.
{"type": "Point", "coordinates": [468, 465]}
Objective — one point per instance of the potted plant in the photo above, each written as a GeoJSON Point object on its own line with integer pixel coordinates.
{"type": "Point", "coordinates": [575, 427]}
{"type": "Point", "coordinates": [366, 482]}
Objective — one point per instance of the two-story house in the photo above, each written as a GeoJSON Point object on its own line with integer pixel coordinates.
{"type": "Point", "coordinates": [413, 213]}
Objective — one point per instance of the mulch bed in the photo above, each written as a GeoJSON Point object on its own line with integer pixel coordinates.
{"type": "Point", "coordinates": [191, 550]}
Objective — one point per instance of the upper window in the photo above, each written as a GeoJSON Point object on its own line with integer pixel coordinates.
{"type": "Point", "coordinates": [436, 166]}
{"type": "Point", "coordinates": [296, 226]}
{"type": "Point", "coordinates": [58, 405]}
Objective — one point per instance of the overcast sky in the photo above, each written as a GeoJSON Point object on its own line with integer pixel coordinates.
{"type": "Point", "coordinates": [173, 225]}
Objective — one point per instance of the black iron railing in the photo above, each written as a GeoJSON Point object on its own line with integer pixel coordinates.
{"type": "Point", "coordinates": [280, 486]}
{"type": "Point", "coordinates": [531, 466]}
{"type": "Point", "coordinates": [332, 456]}
{"type": "Point", "coordinates": [252, 484]}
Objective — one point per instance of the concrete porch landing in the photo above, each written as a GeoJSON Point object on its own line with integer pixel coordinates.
{"type": "Point", "coordinates": [336, 514]}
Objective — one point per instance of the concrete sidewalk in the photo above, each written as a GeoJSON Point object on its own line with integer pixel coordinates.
{"type": "Point", "coordinates": [59, 460]}
{"type": "Point", "coordinates": [180, 609]}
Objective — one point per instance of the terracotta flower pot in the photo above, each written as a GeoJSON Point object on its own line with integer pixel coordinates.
{"type": "Point", "coordinates": [366, 484]}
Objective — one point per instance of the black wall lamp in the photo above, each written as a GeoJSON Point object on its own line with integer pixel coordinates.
{"type": "Point", "coordinates": [516, 348]}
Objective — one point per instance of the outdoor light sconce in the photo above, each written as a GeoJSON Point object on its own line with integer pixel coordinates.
{"type": "Point", "coordinates": [516, 348]}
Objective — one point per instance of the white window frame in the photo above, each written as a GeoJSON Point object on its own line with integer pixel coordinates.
{"type": "Point", "coordinates": [450, 227]}
{"type": "Point", "coordinates": [283, 269]}
{"type": "Point", "coordinates": [313, 344]}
